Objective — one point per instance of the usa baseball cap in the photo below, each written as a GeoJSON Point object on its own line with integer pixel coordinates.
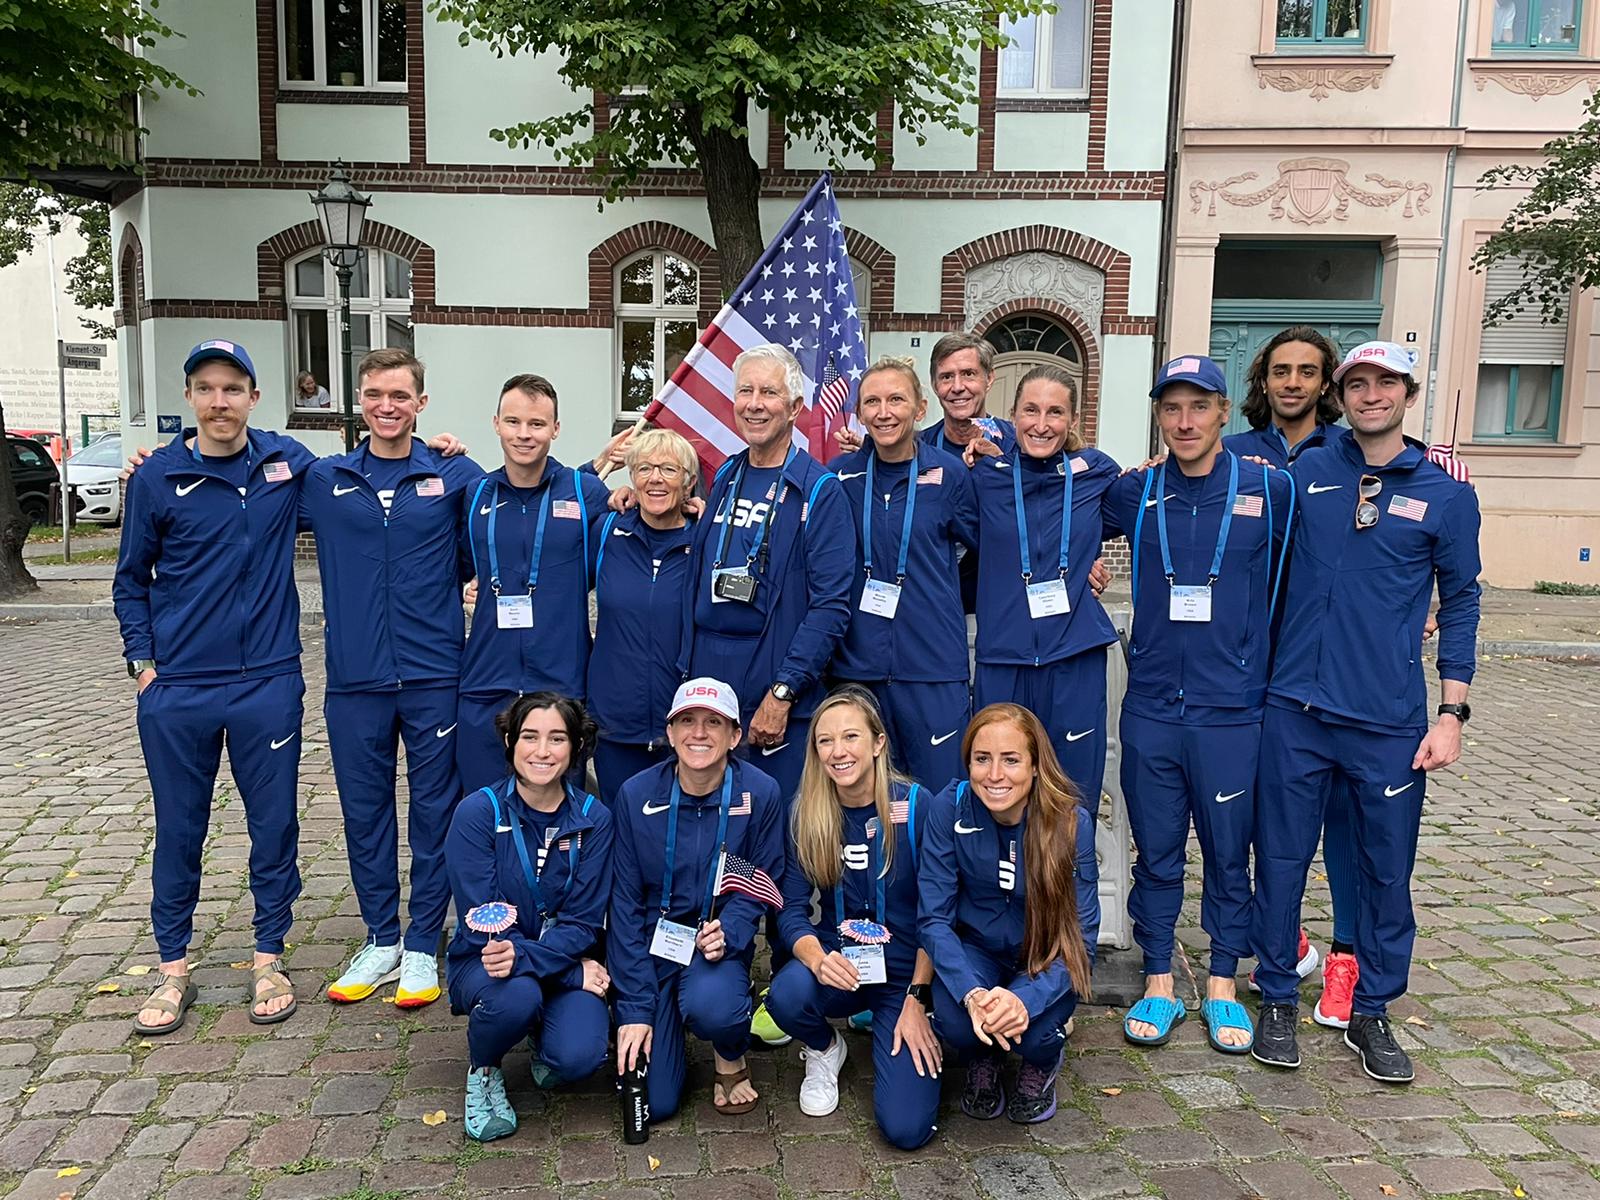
{"type": "Point", "coordinates": [708, 693]}
{"type": "Point", "coordinates": [1191, 368]}
{"type": "Point", "coordinates": [1386, 355]}
{"type": "Point", "coordinates": [220, 351]}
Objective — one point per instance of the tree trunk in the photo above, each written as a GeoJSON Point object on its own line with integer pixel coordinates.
{"type": "Point", "coordinates": [733, 193]}
{"type": "Point", "coordinates": [14, 577]}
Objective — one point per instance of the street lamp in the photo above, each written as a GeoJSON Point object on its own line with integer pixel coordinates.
{"type": "Point", "coordinates": [341, 211]}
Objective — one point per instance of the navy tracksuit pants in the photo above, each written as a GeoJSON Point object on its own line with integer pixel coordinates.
{"type": "Point", "coordinates": [926, 722]}
{"type": "Point", "coordinates": [571, 1026]}
{"type": "Point", "coordinates": [905, 1104]}
{"type": "Point", "coordinates": [364, 729]}
{"type": "Point", "coordinates": [1303, 760]}
{"type": "Point", "coordinates": [1042, 1042]}
{"type": "Point", "coordinates": [182, 729]}
{"type": "Point", "coordinates": [617, 762]}
{"type": "Point", "coordinates": [711, 1000]}
{"type": "Point", "coordinates": [480, 754]}
{"type": "Point", "coordinates": [1172, 774]}
{"type": "Point", "coordinates": [1069, 697]}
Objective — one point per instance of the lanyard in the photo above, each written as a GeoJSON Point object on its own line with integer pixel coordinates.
{"type": "Point", "coordinates": [766, 519]}
{"type": "Point", "coordinates": [905, 525]}
{"type": "Point", "coordinates": [1222, 529]}
{"type": "Point", "coordinates": [538, 540]}
{"type": "Point", "coordinates": [527, 863]}
{"type": "Point", "coordinates": [877, 875]}
{"type": "Point", "coordinates": [672, 842]}
{"type": "Point", "coordinates": [1022, 516]}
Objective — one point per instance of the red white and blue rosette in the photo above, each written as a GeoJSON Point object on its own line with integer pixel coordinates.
{"type": "Point", "coordinates": [494, 917]}
{"type": "Point", "coordinates": [864, 932]}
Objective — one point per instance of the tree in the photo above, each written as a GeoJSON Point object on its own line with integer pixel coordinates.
{"type": "Point", "coordinates": [25, 212]}
{"type": "Point", "coordinates": [1554, 231]}
{"type": "Point", "coordinates": [825, 68]}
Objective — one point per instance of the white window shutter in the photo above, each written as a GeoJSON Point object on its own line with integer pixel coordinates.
{"type": "Point", "coordinates": [1523, 338]}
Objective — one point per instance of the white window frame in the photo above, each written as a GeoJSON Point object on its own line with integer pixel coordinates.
{"type": "Point", "coordinates": [1044, 39]}
{"type": "Point", "coordinates": [319, 52]}
{"type": "Point", "coordinates": [659, 313]}
{"type": "Point", "coordinates": [374, 308]}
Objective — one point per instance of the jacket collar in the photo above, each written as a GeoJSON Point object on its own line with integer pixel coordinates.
{"type": "Point", "coordinates": [1412, 454]}
{"type": "Point", "coordinates": [419, 462]}
{"type": "Point", "coordinates": [185, 460]}
{"type": "Point", "coordinates": [553, 470]}
{"type": "Point", "coordinates": [570, 818]}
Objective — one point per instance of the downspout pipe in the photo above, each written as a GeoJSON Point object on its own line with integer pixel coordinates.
{"type": "Point", "coordinates": [1169, 207]}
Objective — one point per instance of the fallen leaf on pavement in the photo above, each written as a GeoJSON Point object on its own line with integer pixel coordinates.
{"type": "Point", "coordinates": [109, 986]}
{"type": "Point", "coordinates": [1111, 1091]}
{"type": "Point", "coordinates": [70, 875]}
{"type": "Point", "coordinates": [68, 1172]}
{"type": "Point", "coordinates": [655, 1163]}
{"type": "Point", "coordinates": [1413, 1019]}
{"type": "Point", "coordinates": [434, 1118]}
{"type": "Point", "coordinates": [1517, 1191]}
{"type": "Point", "coordinates": [1388, 1189]}
{"type": "Point", "coordinates": [1567, 1114]}
{"type": "Point", "coordinates": [142, 969]}
{"type": "Point", "coordinates": [240, 966]}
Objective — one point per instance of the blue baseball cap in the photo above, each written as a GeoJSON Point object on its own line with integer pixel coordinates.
{"type": "Point", "coordinates": [1191, 368]}
{"type": "Point", "coordinates": [221, 351]}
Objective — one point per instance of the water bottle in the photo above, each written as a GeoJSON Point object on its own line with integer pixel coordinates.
{"type": "Point", "coordinates": [636, 1102]}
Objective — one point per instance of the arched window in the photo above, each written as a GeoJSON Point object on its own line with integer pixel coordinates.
{"type": "Point", "coordinates": [1026, 341]}
{"type": "Point", "coordinates": [861, 280]}
{"type": "Point", "coordinates": [658, 296]}
{"type": "Point", "coordinates": [132, 347]}
{"type": "Point", "coordinates": [380, 315]}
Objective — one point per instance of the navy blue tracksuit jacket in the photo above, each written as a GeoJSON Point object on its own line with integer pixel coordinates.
{"type": "Point", "coordinates": [1270, 444]}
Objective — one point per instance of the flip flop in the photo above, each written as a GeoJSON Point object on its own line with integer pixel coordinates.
{"type": "Point", "coordinates": [272, 992]}
{"type": "Point", "coordinates": [727, 1081]}
{"type": "Point", "coordinates": [187, 994]}
{"type": "Point", "coordinates": [1165, 1013]}
{"type": "Point", "coordinates": [1227, 1014]}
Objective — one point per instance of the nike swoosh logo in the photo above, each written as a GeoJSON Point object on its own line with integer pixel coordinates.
{"type": "Point", "coordinates": [960, 828]}
{"type": "Point", "coordinates": [438, 733]}
{"type": "Point", "coordinates": [484, 511]}
{"type": "Point", "coordinates": [339, 491]}
{"type": "Point", "coordinates": [651, 810]}
{"type": "Point", "coordinates": [843, 475]}
{"type": "Point", "coordinates": [280, 745]}
{"type": "Point", "coordinates": [502, 829]}
{"type": "Point", "coordinates": [1151, 503]}
{"type": "Point", "coordinates": [773, 749]}
{"type": "Point", "coordinates": [1316, 489]}
{"type": "Point", "coordinates": [1073, 737]}
{"type": "Point", "coordinates": [940, 740]}
{"type": "Point", "coordinates": [1392, 791]}
{"type": "Point", "coordinates": [1221, 799]}
{"type": "Point", "coordinates": [184, 491]}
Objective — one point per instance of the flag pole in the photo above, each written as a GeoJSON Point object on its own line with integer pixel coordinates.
{"type": "Point", "coordinates": [1455, 422]}
{"type": "Point", "coordinates": [716, 887]}
{"type": "Point", "coordinates": [608, 466]}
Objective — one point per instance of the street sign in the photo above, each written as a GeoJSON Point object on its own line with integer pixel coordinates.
{"type": "Point", "coordinates": [84, 349]}
{"type": "Point", "coordinates": [165, 424]}
{"type": "Point", "coordinates": [80, 364]}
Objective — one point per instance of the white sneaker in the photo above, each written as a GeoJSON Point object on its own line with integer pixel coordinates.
{"type": "Point", "coordinates": [419, 980]}
{"type": "Point", "coordinates": [371, 968]}
{"type": "Point", "coordinates": [819, 1093]}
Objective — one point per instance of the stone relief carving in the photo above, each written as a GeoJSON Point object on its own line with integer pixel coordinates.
{"type": "Point", "coordinates": [1036, 275]}
{"type": "Point", "coordinates": [1537, 84]}
{"type": "Point", "coordinates": [1312, 191]}
{"type": "Point", "coordinates": [1321, 82]}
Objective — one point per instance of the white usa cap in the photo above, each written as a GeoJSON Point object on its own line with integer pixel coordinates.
{"type": "Point", "coordinates": [1387, 355]}
{"type": "Point", "coordinates": [708, 693]}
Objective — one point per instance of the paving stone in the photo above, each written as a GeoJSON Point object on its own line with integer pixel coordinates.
{"type": "Point", "coordinates": [1096, 1176]}
{"type": "Point", "coordinates": [503, 1174]}
{"type": "Point", "coordinates": [1163, 1146]}
{"type": "Point", "coordinates": [211, 1147]}
{"type": "Point", "coordinates": [1284, 1181]}
{"type": "Point", "coordinates": [946, 1180]}
{"type": "Point", "coordinates": [22, 1146]}
{"type": "Point", "coordinates": [189, 1060]}
{"type": "Point", "coordinates": [92, 1140]}
{"type": "Point", "coordinates": [1015, 1177]}
{"type": "Point", "coordinates": [1135, 1110]}
{"type": "Point", "coordinates": [413, 1177]}
{"type": "Point", "coordinates": [127, 1096]}
{"type": "Point", "coordinates": [740, 1151]}
{"type": "Point", "coordinates": [133, 1180]}
{"type": "Point", "coordinates": [1557, 1181]}
{"type": "Point", "coordinates": [344, 1139]}
{"type": "Point", "coordinates": [1417, 1137]}
{"type": "Point", "coordinates": [586, 1160]}
{"type": "Point", "coordinates": [159, 1141]}
{"type": "Point", "coordinates": [1571, 1095]}
{"type": "Point", "coordinates": [1448, 1176]}
{"type": "Point", "coordinates": [313, 1185]}
{"type": "Point", "coordinates": [1198, 1183]}
{"type": "Point", "coordinates": [352, 1094]}
{"type": "Point", "coordinates": [196, 1100]}
{"type": "Point", "coordinates": [729, 1187]}
{"type": "Point", "coordinates": [284, 1143]}
{"type": "Point", "coordinates": [1203, 1091]}
{"type": "Point", "coordinates": [55, 1098]}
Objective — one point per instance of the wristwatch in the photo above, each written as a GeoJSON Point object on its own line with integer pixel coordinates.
{"type": "Point", "coordinates": [922, 993]}
{"type": "Point", "coordinates": [1461, 712]}
{"type": "Point", "coordinates": [138, 666]}
{"type": "Point", "coordinates": [783, 692]}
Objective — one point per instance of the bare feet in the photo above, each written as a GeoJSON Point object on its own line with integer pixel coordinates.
{"type": "Point", "coordinates": [1223, 988]}
{"type": "Point", "coordinates": [742, 1092]}
{"type": "Point", "coordinates": [170, 989]}
{"type": "Point", "coordinates": [1154, 985]}
{"type": "Point", "coordinates": [265, 1008]}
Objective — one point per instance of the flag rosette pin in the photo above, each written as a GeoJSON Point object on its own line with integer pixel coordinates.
{"type": "Point", "coordinates": [494, 917]}
{"type": "Point", "coordinates": [864, 932]}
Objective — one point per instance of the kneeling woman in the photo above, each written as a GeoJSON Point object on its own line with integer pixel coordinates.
{"type": "Point", "coordinates": [683, 930]}
{"type": "Point", "coordinates": [530, 866]}
{"type": "Point", "coordinates": [1009, 912]}
{"type": "Point", "coordinates": [853, 836]}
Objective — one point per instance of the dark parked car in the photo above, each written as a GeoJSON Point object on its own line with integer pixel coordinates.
{"type": "Point", "coordinates": [34, 472]}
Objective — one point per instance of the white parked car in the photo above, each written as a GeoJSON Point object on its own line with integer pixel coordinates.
{"type": "Point", "coordinates": [92, 472]}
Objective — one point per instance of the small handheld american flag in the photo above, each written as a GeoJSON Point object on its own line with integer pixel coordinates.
{"type": "Point", "coordinates": [734, 874]}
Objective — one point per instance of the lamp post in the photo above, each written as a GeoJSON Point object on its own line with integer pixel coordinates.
{"type": "Point", "coordinates": [341, 211]}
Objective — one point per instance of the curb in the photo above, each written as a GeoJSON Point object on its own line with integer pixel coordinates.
{"type": "Point", "coordinates": [95, 612]}
{"type": "Point", "coordinates": [1580, 650]}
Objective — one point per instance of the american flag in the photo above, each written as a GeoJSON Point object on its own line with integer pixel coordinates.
{"type": "Point", "coordinates": [1411, 510]}
{"type": "Point", "coordinates": [736, 875]}
{"type": "Point", "coordinates": [933, 475]}
{"type": "Point", "coordinates": [899, 812]}
{"type": "Point", "coordinates": [1443, 454]}
{"type": "Point", "coordinates": [799, 295]}
{"type": "Point", "coordinates": [1247, 506]}
{"type": "Point", "coordinates": [566, 509]}
{"type": "Point", "coordinates": [432, 486]}
{"type": "Point", "coordinates": [741, 809]}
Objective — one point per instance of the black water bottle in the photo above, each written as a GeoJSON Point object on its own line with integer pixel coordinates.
{"type": "Point", "coordinates": [636, 1102]}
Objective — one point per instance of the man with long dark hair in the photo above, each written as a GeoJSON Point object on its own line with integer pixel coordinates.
{"type": "Point", "coordinates": [1289, 398]}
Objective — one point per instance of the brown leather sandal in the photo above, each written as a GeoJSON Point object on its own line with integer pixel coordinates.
{"type": "Point", "coordinates": [273, 990]}
{"type": "Point", "coordinates": [727, 1081]}
{"type": "Point", "coordinates": [187, 991]}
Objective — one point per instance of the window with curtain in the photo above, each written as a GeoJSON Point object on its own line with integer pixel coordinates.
{"type": "Point", "coordinates": [343, 43]}
{"type": "Point", "coordinates": [658, 297]}
{"type": "Point", "coordinates": [1047, 54]}
{"type": "Point", "coordinates": [1331, 22]}
{"type": "Point", "coordinates": [380, 316]}
{"type": "Point", "coordinates": [1520, 368]}
{"type": "Point", "coordinates": [1536, 24]}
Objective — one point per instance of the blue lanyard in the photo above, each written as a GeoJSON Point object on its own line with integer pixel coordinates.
{"type": "Point", "coordinates": [1022, 516]}
{"type": "Point", "coordinates": [1222, 529]}
{"type": "Point", "coordinates": [877, 874]}
{"type": "Point", "coordinates": [538, 540]}
{"type": "Point", "coordinates": [766, 520]}
{"type": "Point", "coordinates": [905, 525]}
{"type": "Point", "coordinates": [527, 863]}
{"type": "Point", "coordinates": [672, 843]}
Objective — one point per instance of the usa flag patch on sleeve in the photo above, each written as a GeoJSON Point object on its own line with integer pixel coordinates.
{"type": "Point", "coordinates": [433, 486]}
{"type": "Point", "coordinates": [276, 472]}
{"type": "Point", "coordinates": [1247, 506]}
{"type": "Point", "coordinates": [1411, 510]}
{"type": "Point", "coordinates": [899, 812]}
{"type": "Point", "coordinates": [741, 809]}
{"type": "Point", "coordinates": [567, 510]}
{"type": "Point", "coordinates": [933, 475]}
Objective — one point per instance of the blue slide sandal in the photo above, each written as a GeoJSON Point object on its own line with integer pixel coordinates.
{"type": "Point", "coordinates": [1227, 1014]}
{"type": "Point", "coordinates": [1164, 1013]}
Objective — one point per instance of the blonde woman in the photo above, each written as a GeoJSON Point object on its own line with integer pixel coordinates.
{"type": "Point", "coordinates": [640, 570]}
{"type": "Point", "coordinates": [853, 833]}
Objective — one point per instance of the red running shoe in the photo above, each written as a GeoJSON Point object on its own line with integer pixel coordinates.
{"type": "Point", "coordinates": [1308, 959]}
{"type": "Point", "coordinates": [1339, 975]}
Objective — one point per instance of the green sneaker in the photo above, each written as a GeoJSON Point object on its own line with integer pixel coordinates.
{"type": "Point", "coordinates": [489, 1112]}
{"type": "Point", "coordinates": [765, 1028]}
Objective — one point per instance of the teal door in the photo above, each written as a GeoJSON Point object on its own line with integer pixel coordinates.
{"type": "Point", "coordinates": [1235, 344]}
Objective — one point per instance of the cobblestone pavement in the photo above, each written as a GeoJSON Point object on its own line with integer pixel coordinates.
{"type": "Point", "coordinates": [1502, 1017]}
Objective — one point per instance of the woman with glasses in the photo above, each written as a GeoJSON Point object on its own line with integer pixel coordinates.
{"type": "Point", "coordinates": [640, 568]}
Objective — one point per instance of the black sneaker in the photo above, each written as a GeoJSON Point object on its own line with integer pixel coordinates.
{"type": "Point", "coordinates": [985, 1096]}
{"type": "Point", "coordinates": [1275, 1042]}
{"type": "Point", "coordinates": [1381, 1056]}
{"type": "Point", "coordinates": [1035, 1097]}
